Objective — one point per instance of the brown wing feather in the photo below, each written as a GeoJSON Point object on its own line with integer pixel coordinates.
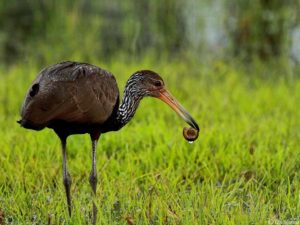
{"type": "Point", "coordinates": [72, 92]}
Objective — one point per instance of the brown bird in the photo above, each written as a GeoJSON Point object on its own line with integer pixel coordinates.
{"type": "Point", "coordinates": [77, 98]}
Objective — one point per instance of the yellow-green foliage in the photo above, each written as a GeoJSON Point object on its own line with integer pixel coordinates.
{"type": "Point", "coordinates": [243, 169]}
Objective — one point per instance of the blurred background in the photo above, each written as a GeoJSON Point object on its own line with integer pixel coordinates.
{"type": "Point", "coordinates": [50, 31]}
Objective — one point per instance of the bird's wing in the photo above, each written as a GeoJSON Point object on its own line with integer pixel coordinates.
{"type": "Point", "coordinates": [72, 92]}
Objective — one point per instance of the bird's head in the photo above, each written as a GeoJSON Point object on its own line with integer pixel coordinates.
{"type": "Point", "coordinates": [148, 83]}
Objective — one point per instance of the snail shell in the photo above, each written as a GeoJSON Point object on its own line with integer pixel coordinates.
{"type": "Point", "coordinates": [190, 134]}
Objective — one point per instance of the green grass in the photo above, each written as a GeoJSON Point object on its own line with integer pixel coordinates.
{"type": "Point", "coordinates": [243, 169]}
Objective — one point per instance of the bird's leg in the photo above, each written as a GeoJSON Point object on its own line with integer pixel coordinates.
{"type": "Point", "coordinates": [93, 174]}
{"type": "Point", "coordinates": [66, 176]}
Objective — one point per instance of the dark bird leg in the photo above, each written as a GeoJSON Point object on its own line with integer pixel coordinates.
{"type": "Point", "coordinates": [66, 176]}
{"type": "Point", "coordinates": [93, 175]}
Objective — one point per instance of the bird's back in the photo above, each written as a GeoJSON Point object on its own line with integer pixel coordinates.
{"type": "Point", "coordinates": [71, 92]}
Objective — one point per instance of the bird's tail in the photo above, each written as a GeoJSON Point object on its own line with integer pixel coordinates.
{"type": "Point", "coordinates": [29, 125]}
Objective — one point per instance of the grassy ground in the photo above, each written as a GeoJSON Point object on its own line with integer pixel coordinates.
{"type": "Point", "coordinates": [242, 170]}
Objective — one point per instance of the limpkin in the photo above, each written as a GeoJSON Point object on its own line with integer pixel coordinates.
{"type": "Point", "coordinates": [77, 98]}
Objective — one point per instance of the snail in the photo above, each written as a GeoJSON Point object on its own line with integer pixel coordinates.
{"type": "Point", "coordinates": [190, 134]}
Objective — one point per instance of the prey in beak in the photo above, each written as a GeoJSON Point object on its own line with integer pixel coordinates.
{"type": "Point", "coordinates": [189, 134]}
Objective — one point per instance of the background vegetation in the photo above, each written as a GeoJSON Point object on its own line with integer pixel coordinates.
{"type": "Point", "coordinates": [105, 29]}
{"type": "Point", "coordinates": [233, 65]}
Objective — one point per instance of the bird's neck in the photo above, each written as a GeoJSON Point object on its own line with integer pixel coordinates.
{"type": "Point", "coordinates": [129, 104]}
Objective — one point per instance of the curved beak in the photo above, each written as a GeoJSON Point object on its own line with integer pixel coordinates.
{"type": "Point", "coordinates": [165, 96]}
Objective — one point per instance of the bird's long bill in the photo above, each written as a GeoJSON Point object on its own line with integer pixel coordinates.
{"type": "Point", "coordinates": [175, 105]}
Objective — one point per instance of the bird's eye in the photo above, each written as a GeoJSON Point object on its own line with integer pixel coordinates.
{"type": "Point", "coordinates": [158, 83]}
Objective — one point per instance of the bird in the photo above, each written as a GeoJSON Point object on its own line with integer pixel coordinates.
{"type": "Point", "coordinates": [80, 98]}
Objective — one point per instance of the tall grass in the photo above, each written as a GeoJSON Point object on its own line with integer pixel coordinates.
{"type": "Point", "coordinates": [243, 169]}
